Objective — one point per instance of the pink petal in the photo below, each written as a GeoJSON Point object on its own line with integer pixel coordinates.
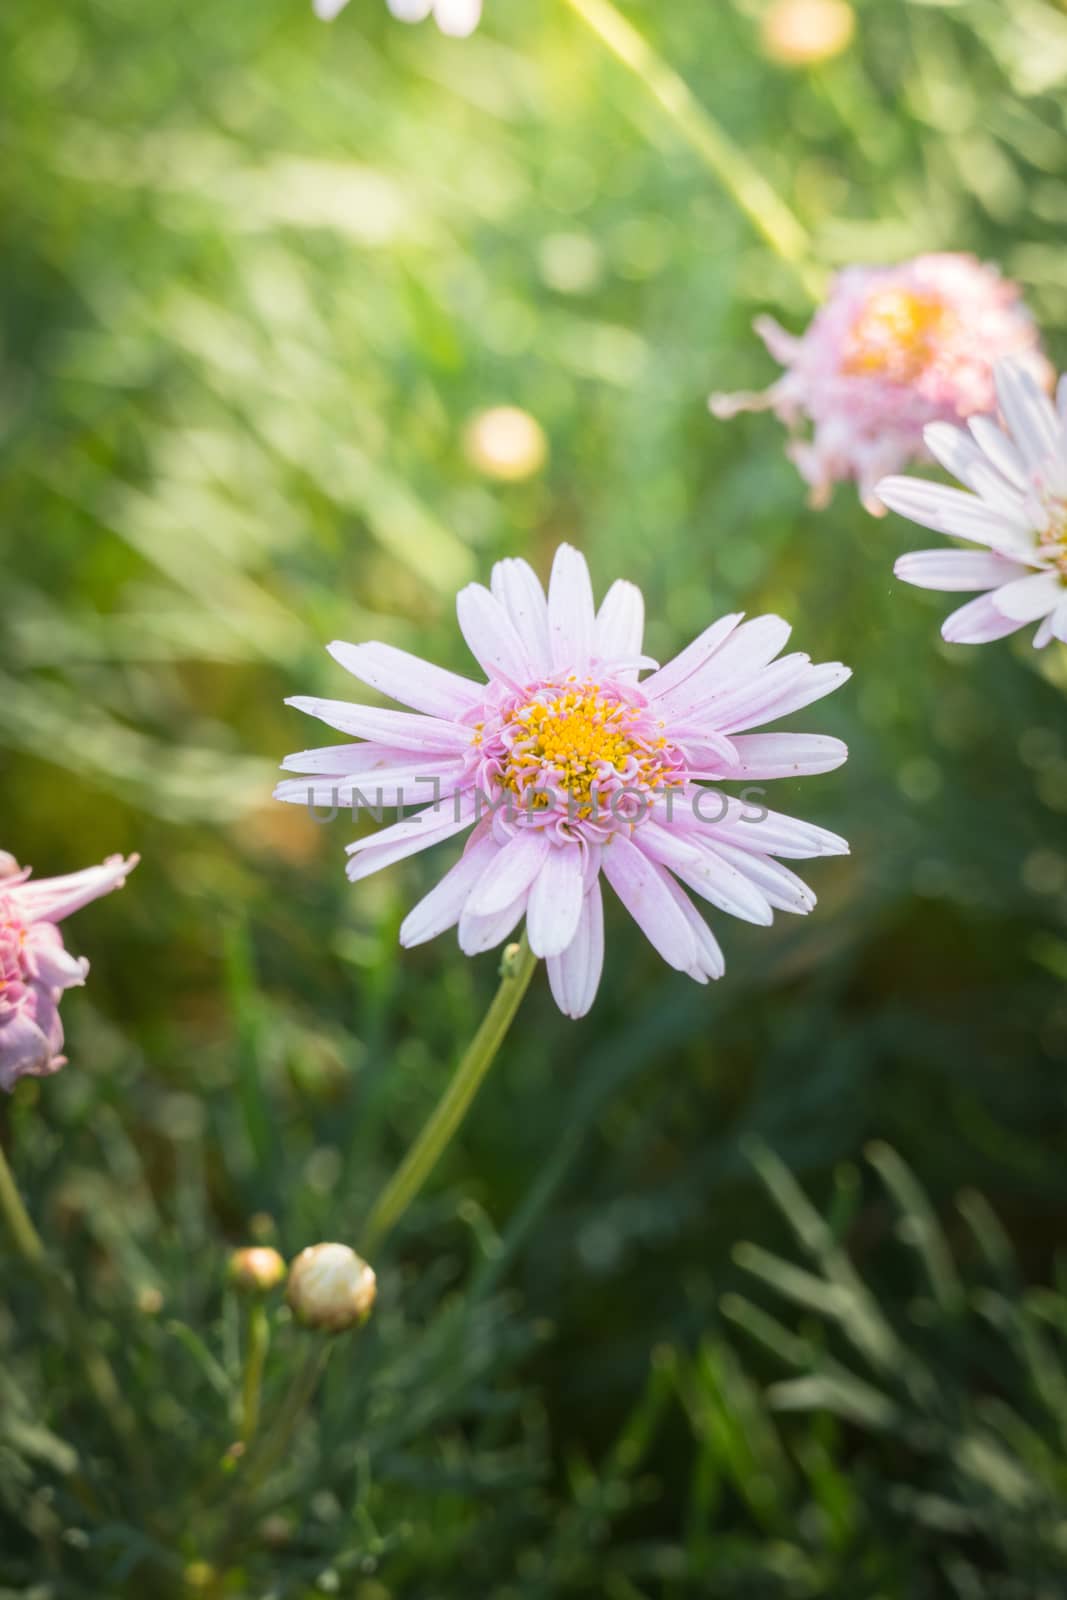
{"type": "Point", "coordinates": [780, 887]}
{"type": "Point", "coordinates": [406, 678]}
{"type": "Point", "coordinates": [407, 838]}
{"type": "Point", "coordinates": [510, 872]}
{"type": "Point", "coordinates": [402, 728]}
{"type": "Point", "coordinates": [1026, 599]}
{"type": "Point", "coordinates": [640, 885]}
{"type": "Point", "coordinates": [956, 569]}
{"type": "Point", "coordinates": [478, 934]}
{"type": "Point", "coordinates": [620, 623]}
{"type": "Point", "coordinates": [692, 659]}
{"type": "Point", "coordinates": [516, 586]}
{"type": "Point", "coordinates": [710, 962]}
{"type": "Point", "coordinates": [571, 619]}
{"type": "Point", "coordinates": [555, 902]}
{"type": "Point", "coordinates": [413, 785]}
{"type": "Point", "coordinates": [364, 760]}
{"type": "Point", "coordinates": [1028, 412]}
{"type": "Point", "coordinates": [574, 975]}
{"type": "Point", "coordinates": [978, 622]}
{"type": "Point", "coordinates": [52, 899]}
{"type": "Point", "coordinates": [995, 444]}
{"type": "Point", "coordinates": [443, 906]}
{"type": "Point", "coordinates": [491, 636]}
{"type": "Point", "coordinates": [786, 755]}
{"type": "Point", "coordinates": [709, 874]}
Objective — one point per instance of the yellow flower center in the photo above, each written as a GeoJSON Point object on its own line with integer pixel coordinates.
{"type": "Point", "coordinates": [569, 739]}
{"type": "Point", "coordinates": [895, 336]}
{"type": "Point", "coordinates": [1053, 542]}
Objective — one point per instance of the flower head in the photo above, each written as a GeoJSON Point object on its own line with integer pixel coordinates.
{"type": "Point", "coordinates": [1016, 514]}
{"type": "Point", "coordinates": [256, 1269]}
{"type": "Point", "coordinates": [35, 967]}
{"type": "Point", "coordinates": [456, 17]}
{"type": "Point", "coordinates": [891, 350]}
{"type": "Point", "coordinates": [564, 766]}
{"type": "Point", "coordinates": [331, 1288]}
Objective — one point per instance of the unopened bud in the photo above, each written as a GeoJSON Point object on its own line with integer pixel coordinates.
{"type": "Point", "coordinates": [9, 867]}
{"type": "Point", "coordinates": [331, 1288]}
{"type": "Point", "coordinates": [256, 1269]}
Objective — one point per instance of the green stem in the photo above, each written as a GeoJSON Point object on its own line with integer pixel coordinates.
{"type": "Point", "coordinates": [98, 1369]}
{"type": "Point", "coordinates": [739, 176]}
{"type": "Point", "coordinates": [255, 1360]}
{"type": "Point", "coordinates": [516, 971]}
{"type": "Point", "coordinates": [27, 1240]}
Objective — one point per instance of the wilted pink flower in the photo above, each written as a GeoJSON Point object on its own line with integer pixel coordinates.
{"type": "Point", "coordinates": [34, 966]}
{"type": "Point", "coordinates": [456, 17]}
{"type": "Point", "coordinates": [565, 766]}
{"type": "Point", "coordinates": [1017, 514]}
{"type": "Point", "coordinates": [891, 350]}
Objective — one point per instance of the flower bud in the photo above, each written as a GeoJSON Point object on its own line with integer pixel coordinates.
{"type": "Point", "coordinates": [331, 1288]}
{"type": "Point", "coordinates": [256, 1269]}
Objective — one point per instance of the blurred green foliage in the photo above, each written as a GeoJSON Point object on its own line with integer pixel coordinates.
{"type": "Point", "coordinates": [258, 276]}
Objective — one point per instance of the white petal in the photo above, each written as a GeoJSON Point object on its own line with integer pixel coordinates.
{"type": "Point", "coordinates": [1028, 598]}
{"type": "Point", "coordinates": [555, 902]}
{"type": "Point", "coordinates": [412, 785]}
{"type": "Point", "coordinates": [574, 975]}
{"type": "Point", "coordinates": [492, 637]}
{"type": "Point", "coordinates": [709, 962]}
{"type": "Point", "coordinates": [748, 650]}
{"type": "Point", "coordinates": [1059, 621]}
{"type": "Point", "coordinates": [518, 588]}
{"type": "Point", "coordinates": [571, 620]}
{"type": "Point", "coordinates": [956, 569]}
{"type": "Point", "coordinates": [458, 18]}
{"type": "Point", "coordinates": [407, 678]}
{"type": "Point", "coordinates": [326, 10]}
{"type": "Point", "coordinates": [779, 886]}
{"type": "Point", "coordinates": [478, 934]}
{"type": "Point", "coordinates": [958, 452]}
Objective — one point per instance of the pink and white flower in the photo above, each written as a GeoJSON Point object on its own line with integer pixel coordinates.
{"type": "Point", "coordinates": [1016, 514]}
{"type": "Point", "coordinates": [458, 18]}
{"type": "Point", "coordinates": [566, 766]}
{"type": "Point", "coordinates": [891, 350]}
{"type": "Point", "coordinates": [35, 968]}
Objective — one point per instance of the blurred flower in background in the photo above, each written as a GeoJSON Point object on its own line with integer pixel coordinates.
{"type": "Point", "coordinates": [891, 350]}
{"type": "Point", "coordinates": [506, 443]}
{"type": "Point", "coordinates": [455, 17]}
{"type": "Point", "coordinates": [582, 770]}
{"type": "Point", "coordinates": [801, 33]}
{"type": "Point", "coordinates": [35, 968]}
{"type": "Point", "coordinates": [1017, 513]}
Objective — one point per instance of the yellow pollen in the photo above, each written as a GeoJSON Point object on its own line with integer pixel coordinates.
{"type": "Point", "coordinates": [1053, 542]}
{"type": "Point", "coordinates": [575, 740]}
{"type": "Point", "coordinates": [896, 335]}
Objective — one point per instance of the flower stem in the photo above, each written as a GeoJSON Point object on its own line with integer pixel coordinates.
{"type": "Point", "coordinates": [255, 1360]}
{"type": "Point", "coordinates": [98, 1369]}
{"type": "Point", "coordinates": [516, 971]}
{"type": "Point", "coordinates": [739, 176]}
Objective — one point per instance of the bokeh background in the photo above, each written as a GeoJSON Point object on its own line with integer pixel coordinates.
{"type": "Point", "coordinates": [259, 277]}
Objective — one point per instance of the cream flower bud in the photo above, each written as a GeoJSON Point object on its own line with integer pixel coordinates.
{"type": "Point", "coordinates": [331, 1288]}
{"type": "Point", "coordinates": [256, 1269]}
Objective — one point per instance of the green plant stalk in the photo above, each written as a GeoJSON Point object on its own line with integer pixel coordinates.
{"type": "Point", "coordinates": [28, 1244]}
{"type": "Point", "coordinates": [729, 164]}
{"type": "Point", "coordinates": [258, 1343]}
{"type": "Point", "coordinates": [516, 971]}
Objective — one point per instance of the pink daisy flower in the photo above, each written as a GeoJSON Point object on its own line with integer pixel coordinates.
{"type": "Point", "coordinates": [455, 17]}
{"type": "Point", "coordinates": [34, 966]}
{"type": "Point", "coordinates": [891, 350]}
{"type": "Point", "coordinates": [565, 767]}
{"type": "Point", "coordinates": [1016, 514]}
